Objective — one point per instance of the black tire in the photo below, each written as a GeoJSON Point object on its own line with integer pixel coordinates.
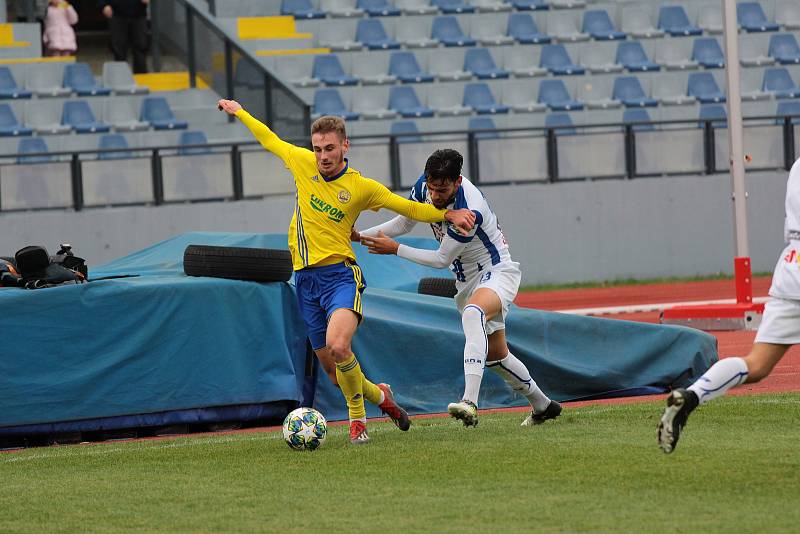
{"type": "Point", "coordinates": [440, 287]}
{"type": "Point", "coordinates": [238, 263]}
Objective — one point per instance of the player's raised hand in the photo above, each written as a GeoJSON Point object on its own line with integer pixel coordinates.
{"type": "Point", "coordinates": [463, 220]}
{"type": "Point", "coordinates": [380, 244]}
{"type": "Point", "coordinates": [229, 106]}
{"type": "Point", "coordinates": [354, 235]}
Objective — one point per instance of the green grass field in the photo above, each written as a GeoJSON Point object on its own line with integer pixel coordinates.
{"type": "Point", "coordinates": [597, 468]}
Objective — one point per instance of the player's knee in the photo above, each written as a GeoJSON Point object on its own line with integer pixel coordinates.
{"type": "Point", "coordinates": [472, 314]}
{"type": "Point", "coordinates": [340, 350]}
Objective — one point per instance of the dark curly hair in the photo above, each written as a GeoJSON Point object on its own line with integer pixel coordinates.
{"type": "Point", "coordinates": [444, 165]}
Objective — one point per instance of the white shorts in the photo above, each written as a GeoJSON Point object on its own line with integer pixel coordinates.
{"type": "Point", "coordinates": [780, 323]}
{"type": "Point", "coordinates": [503, 279]}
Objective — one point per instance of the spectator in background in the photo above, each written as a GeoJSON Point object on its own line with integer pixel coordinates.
{"type": "Point", "coordinates": [59, 37]}
{"type": "Point", "coordinates": [127, 23]}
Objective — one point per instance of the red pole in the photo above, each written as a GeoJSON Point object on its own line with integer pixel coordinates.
{"type": "Point", "coordinates": [743, 277]}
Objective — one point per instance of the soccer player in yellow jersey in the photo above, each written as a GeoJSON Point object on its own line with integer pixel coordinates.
{"type": "Point", "coordinates": [330, 197]}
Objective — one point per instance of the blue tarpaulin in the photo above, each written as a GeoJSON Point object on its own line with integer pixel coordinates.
{"type": "Point", "coordinates": [163, 346]}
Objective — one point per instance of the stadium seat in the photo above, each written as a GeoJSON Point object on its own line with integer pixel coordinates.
{"type": "Point", "coordinates": [118, 77]}
{"type": "Point", "coordinates": [523, 29]}
{"type": "Point", "coordinates": [485, 126]}
{"type": "Point", "coordinates": [675, 54]}
{"type": "Point", "coordinates": [709, 18]}
{"type": "Point", "coordinates": [370, 33]}
{"type": "Point", "coordinates": [404, 65]}
{"type": "Point", "coordinates": [783, 47]}
{"type": "Point", "coordinates": [378, 8]}
{"type": "Point", "coordinates": [157, 112]}
{"type": "Point", "coordinates": [79, 78]}
{"type": "Point", "coordinates": [715, 113]}
{"type": "Point", "coordinates": [597, 23]}
{"type": "Point", "coordinates": [114, 141]}
{"type": "Point", "coordinates": [329, 102]}
{"type": "Point", "coordinates": [673, 20]}
{"type": "Point", "coordinates": [78, 115]}
{"type": "Point", "coordinates": [636, 116]}
{"type": "Point", "coordinates": [447, 31]}
{"type": "Point", "coordinates": [328, 69]}
{"type": "Point", "coordinates": [479, 97]}
{"type": "Point", "coordinates": [416, 7]}
{"type": "Point", "coordinates": [786, 108]}
{"type": "Point", "coordinates": [491, 6]}
{"type": "Point", "coordinates": [341, 8]}
{"type": "Point", "coordinates": [628, 90]}
{"type": "Point", "coordinates": [670, 90]}
{"type": "Point", "coordinates": [371, 103]}
{"type": "Point", "coordinates": [371, 68]}
{"type": "Point", "coordinates": [405, 127]}
{"type": "Point", "coordinates": [707, 52]}
{"type": "Point", "coordinates": [556, 59]}
{"type": "Point", "coordinates": [523, 65]}
{"type": "Point", "coordinates": [520, 96]}
{"type": "Point", "coordinates": [453, 7]}
{"type": "Point", "coordinates": [9, 87]}
{"type": "Point", "coordinates": [778, 82]}
{"type": "Point", "coordinates": [597, 93]}
{"type": "Point", "coordinates": [554, 94]}
{"type": "Point", "coordinates": [704, 88]}
{"type": "Point", "coordinates": [301, 9]}
{"type": "Point", "coordinates": [9, 125]}
{"type": "Point", "coordinates": [195, 138]}
{"type": "Point", "coordinates": [417, 35]}
{"type": "Point", "coordinates": [448, 64]}
{"type": "Point", "coordinates": [558, 121]}
{"type": "Point", "coordinates": [636, 21]}
{"type": "Point", "coordinates": [563, 26]}
{"type": "Point", "coordinates": [529, 5]}
{"type": "Point", "coordinates": [567, 4]}
{"type": "Point", "coordinates": [33, 145]}
{"type": "Point", "coordinates": [632, 56]}
{"type": "Point", "coordinates": [46, 79]}
{"type": "Point", "coordinates": [404, 100]}
{"type": "Point", "coordinates": [479, 62]}
{"type": "Point", "coordinates": [787, 14]}
{"type": "Point", "coordinates": [491, 31]}
{"type": "Point", "coordinates": [44, 116]}
{"type": "Point", "coordinates": [121, 115]}
{"type": "Point", "coordinates": [753, 50]}
{"type": "Point", "coordinates": [751, 17]}
{"type": "Point", "coordinates": [446, 100]}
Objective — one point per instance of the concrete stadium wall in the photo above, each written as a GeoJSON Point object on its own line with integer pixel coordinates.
{"type": "Point", "coordinates": [577, 231]}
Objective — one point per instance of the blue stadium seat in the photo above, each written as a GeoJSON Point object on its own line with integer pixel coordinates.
{"type": "Point", "coordinates": [405, 127]}
{"type": "Point", "coordinates": [79, 78]}
{"type": "Point", "coordinates": [378, 8]}
{"type": "Point", "coordinates": [193, 138]}
{"type": "Point", "coordinates": [632, 56]}
{"type": "Point", "coordinates": [452, 7]}
{"type": "Point", "coordinates": [707, 52]}
{"type": "Point", "coordinates": [479, 62]}
{"type": "Point", "coordinates": [447, 31]}
{"type": "Point", "coordinates": [783, 47]}
{"type": "Point", "coordinates": [485, 126]}
{"type": "Point", "coordinates": [479, 97]}
{"type": "Point", "coordinates": [523, 29]}
{"type": "Point", "coordinates": [78, 115]}
{"type": "Point", "coordinates": [404, 65]}
{"type": "Point", "coordinates": [301, 9]}
{"type": "Point", "coordinates": [156, 111]}
{"type": "Point", "coordinates": [114, 141]}
{"type": "Point", "coordinates": [404, 100]}
{"type": "Point", "coordinates": [529, 5]}
{"type": "Point", "coordinates": [9, 125]}
{"type": "Point", "coordinates": [33, 145]}
{"type": "Point", "coordinates": [329, 102]}
{"type": "Point", "coordinates": [673, 20]}
{"type": "Point", "coordinates": [751, 17]}
{"type": "Point", "coordinates": [704, 88]}
{"type": "Point", "coordinates": [554, 94]}
{"type": "Point", "coordinates": [560, 119]}
{"type": "Point", "coordinates": [714, 112]}
{"type": "Point", "coordinates": [9, 87]}
{"type": "Point", "coordinates": [628, 90]}
{"type": "Point", "coordinates": [636, 116]}
{"type": "Point", "coordinates": [556, 59]}
{"type": "Point", "coordinates": [371, 33]}
{"type": "Point", "coordinates": [788, 107]}
{"type": "Point", "coordinates": [328, 69]}
{"type": "Point", "coordinates": [597, 23]}
{"type": "Point", "coordinates": [778, 82]}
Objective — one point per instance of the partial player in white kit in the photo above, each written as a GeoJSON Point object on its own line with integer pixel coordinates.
{"type": "Point", "coordinates": [487, 281]}
{"type": "Point", "coordinates": [779, 330]}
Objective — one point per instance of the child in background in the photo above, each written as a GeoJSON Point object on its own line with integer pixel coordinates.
{"type": "Point", "coordinates": [59, 37]}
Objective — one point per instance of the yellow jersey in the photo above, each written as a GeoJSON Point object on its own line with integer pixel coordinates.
{"type": "Point", "coordinates": [326, 208]}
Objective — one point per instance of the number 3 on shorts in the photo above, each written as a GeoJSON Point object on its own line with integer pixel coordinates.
{"type": "Point", "coordinates": [486, 276]}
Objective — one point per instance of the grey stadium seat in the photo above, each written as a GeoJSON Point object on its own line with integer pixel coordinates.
{"type": "Point", "coordinates": [638, 21]}
{"type": "Point", "coordinates": [45, 79]}
{"type": "Point", "coordinates": [371, 103]}
{"type": "Point", "coordinates": [371, 67]}
{"type": "Point", "coordinates": [118, 77]}
{"type": "Point", "coordinates": [599, 57]}
{"type": "Point", "coordinates": [122, 115]}
{"type": "Point", "coordinates": [523, 61]}
{"type": "Point", "coordinates": [520, 96]}
{"type": "Point", "coordinates": [596, 92]}
{"type": "Point", "coordinates": [675, 54]}
{"type": "Point", "coordinates": [44, 116]}
{"type": "Point", "coordinates": [447, 64]}
{"type": "Point", "coordinates": [565, 26]}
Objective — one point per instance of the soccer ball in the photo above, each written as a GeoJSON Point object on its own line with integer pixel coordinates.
{"type": "Point", "coordinates": [305, 429]}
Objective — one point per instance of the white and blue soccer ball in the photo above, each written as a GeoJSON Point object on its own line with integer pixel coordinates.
{"type": "Point", "coordinates": [304, 429]}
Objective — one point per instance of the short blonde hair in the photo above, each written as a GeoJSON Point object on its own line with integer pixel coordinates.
{"type": "Point", "coordinates": [328, 124]}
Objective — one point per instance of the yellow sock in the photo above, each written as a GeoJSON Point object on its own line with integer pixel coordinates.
{"type": "Point", "coordinates": [349, 375]}
{"type": "Point", "coordinates": [371, 392]}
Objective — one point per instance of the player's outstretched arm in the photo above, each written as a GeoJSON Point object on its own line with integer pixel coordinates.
{"type": "Point", "coordinates": [268, 139]}
{"type": "Point", "coordinates": [400, 225]}
{"type": "Point", "coordinates": [462, 219]}
{"type": "Point", "coordinates": [448, 250]}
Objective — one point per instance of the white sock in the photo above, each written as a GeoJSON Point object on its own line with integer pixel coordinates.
{"type": "Point", "coordinates": [722, 376]}
{"type": "Point", "coordinates": [475, 349]}
{"type": "Point", "coordinates": [519, 379]}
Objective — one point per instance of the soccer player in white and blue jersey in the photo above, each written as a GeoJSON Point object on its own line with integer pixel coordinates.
{"type": "Point", "coordinates": [487, 280]}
